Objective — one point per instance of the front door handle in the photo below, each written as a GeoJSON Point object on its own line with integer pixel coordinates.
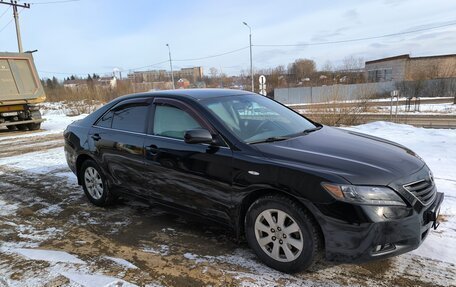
{"type": "Point", "coordinates": [96, 137]}
{"type": "Point", "coordinates": [152, 149]}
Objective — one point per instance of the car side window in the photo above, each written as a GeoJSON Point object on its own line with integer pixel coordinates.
{"type": "Point", "coordinates": [105, 120]}
{"type": "Point", "coordinates": [130, 117]}
{"type": "Point", "coordinates": [173, 122]}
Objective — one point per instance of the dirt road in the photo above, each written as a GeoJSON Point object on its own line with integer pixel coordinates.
{"type": "Point", "coordinates": [141, 245]}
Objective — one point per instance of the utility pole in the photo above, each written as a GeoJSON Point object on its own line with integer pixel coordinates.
{"type": "Point", "coordinates": [251, 61]}
{"type": "Point", "coordinates": [16, 19]}
{"type": "Point", "coordinates": [171, 65]}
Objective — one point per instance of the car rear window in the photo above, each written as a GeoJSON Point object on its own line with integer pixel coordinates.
{"type": "Point", "coordinates": [130, 118]}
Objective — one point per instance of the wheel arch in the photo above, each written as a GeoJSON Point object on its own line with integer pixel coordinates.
{"type": "Point", "coordinates": [79, 161]}
{"type": "Point", "coordinates": [254, 195]}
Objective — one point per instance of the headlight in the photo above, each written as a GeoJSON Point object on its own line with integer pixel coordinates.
{"type": "Point", "coordinates": [369, 195]}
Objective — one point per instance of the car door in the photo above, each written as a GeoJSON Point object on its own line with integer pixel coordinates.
{"type": "Point", "coordinates": [195, 177]}
{"type": "Point", "coordinates": [118, 141]}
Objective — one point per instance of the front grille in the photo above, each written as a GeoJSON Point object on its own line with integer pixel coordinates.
{"type": "Point", "coordinates": [423, 190]}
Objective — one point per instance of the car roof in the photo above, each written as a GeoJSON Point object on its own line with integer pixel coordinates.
{"type": "Point", "coordinates": [196, 94]}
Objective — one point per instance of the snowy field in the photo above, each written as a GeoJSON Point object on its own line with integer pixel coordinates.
{"type": "Point", "coordinates": [51, 236]}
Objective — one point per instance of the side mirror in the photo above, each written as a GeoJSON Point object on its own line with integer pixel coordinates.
{"type": "Point", "coordinates": [196, 136]}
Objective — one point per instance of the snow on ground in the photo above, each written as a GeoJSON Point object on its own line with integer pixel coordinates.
{"type": "Point", "coordinates": [49, 160]}
{"type": "Point", "coordinates": [121, 262]}
{"type": "Point", "coordinates": [96, 280]}
{"type": "Point", "coordinates": [48, 255]}
{"type": "Point", "coordinates": [55, 122]}
{"type": "Point", "coordinates": [437, 147]}
{"type": "Point", "coordinates": [448, 108]}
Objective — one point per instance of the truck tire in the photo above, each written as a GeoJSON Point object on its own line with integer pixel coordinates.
{"type": "Point", "coordinates": [34, 126]}
{"type": "Point", "coordinates": [22, 127]}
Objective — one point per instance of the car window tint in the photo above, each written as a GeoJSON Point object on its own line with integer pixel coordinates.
{"type": "Point", "coordinates": [130, 118]}
{"type": "Point", "coordinates": [173, 122]}
{"type": "Point", "coordinates": [105, 120]}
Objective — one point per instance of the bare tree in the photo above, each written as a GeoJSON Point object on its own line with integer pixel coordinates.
{"type": "Point", "coordinates": [351, 71]}
{"type": "Point", "coordinates": [351, 63]}
{"type": "Point", "coordinates": [213, 72]}
{"type": "Point", "coordinates": [302, 68]}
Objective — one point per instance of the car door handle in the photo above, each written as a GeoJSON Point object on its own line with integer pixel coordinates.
{"type": "Point", "coordinates": [96, 137]}
{"type": "Point", "coordinates": [153, 149]}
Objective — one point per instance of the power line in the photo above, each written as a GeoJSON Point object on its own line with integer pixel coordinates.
{"type": "Point", "coordinates": [213, 56]}
{"type": "Point", "coordinates": [148, 66]}
{"type": "Point", "coordinates": [152, 65]}
{"type": "Point", "coordinates": [7, 24]}
{"type": "Point", "coordinates": [10, 21]}
{"type": "Point", "coordinates": [53, 2]}
{"type": "Point", "coordinates": [81, 74]}
{"type": "Point", "coordinates": [357, 39]}
{"type": "Point", "coordinates": [3, 14]}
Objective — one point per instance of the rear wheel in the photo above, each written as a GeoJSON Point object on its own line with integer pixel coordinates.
{"type": "Point", "coordinates": [35, 115]}
{"type": "Point", "coordinates": [34, 126]}
{"type": "Point", "coordinates": [11, 128]}
{"type": "Point", "coordinates": [94, 184]}
{"type": "Point", "coordinates": [22, 127]}
{"type": "Point", "coordinates": [282, 234]}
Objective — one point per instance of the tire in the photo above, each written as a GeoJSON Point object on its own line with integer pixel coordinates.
{"type": "Point", "coordinates": [22, 127]}
{"type": "Point", "coordinates": [11, 128]}
{"type": "Point", "coordinates": [34, 126]}
{"type": "Point", "coordinates": [95, 185]}
{"type": "Point", "coordinates": [289, 247]}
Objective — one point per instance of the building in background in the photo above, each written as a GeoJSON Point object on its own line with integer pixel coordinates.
{"type": "Point", "coordinates": [193, 74]}
{"type": "Point", "coordinates": [406, 68]}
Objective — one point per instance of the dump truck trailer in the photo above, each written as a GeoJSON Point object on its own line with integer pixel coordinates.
{"type": "Point", "coordinates": [20, 92]}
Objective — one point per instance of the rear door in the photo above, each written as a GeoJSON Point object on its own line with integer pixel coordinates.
{"type": "Point", "coordinates": [118, 141]}
{"type": "Point", "coordinates": [195, 177]}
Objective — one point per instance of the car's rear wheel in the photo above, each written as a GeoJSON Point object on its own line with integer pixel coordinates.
{"type": "Point", "coordinates": [282, 234]}
{"type": "Point", "coordinates": [94, 184]}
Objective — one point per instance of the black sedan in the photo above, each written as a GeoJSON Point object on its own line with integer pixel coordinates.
{"type": "Point", "coordinates": [292, 187]}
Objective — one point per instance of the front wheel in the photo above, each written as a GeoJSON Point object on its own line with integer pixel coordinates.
{"type": "Point", "coordinates": [94, 184]}
{"type": "Point", "coordinates": [282, 233]}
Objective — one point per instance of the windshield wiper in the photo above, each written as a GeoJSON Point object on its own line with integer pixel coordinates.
{"type": "Point", "coordinates": [308, 131]}
{"type": "Point", "coordinates": [271, 139]}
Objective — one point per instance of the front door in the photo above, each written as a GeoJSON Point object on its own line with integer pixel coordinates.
{"type": "Point", "coordinates": [196, 177]}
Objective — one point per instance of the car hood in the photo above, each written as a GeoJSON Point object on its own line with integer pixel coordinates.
{"type": "Point", "coordinates": [359, 158]}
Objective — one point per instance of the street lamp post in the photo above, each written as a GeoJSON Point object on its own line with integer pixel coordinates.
{"type": "Point", "coordinates": [251, 61]}
{"type": "Point", "coordinates": [171, 65]}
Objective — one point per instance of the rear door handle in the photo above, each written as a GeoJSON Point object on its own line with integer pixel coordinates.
{"type": "Point", "coordinates": [153, 149]}
{"type": "Point", "coordinates": [96, 137]}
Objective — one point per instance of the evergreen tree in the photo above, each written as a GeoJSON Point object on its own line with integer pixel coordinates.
{"type": "Point", "coordinates": [55, 82]}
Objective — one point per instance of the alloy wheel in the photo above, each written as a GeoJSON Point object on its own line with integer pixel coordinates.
{"type": "Point", "coordinates": [279, 235]}
{"type": "Point", "coordinates": [93, 183]}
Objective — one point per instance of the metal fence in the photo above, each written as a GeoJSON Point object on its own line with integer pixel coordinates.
{"type": "Point", "coordinates": [426, 88]}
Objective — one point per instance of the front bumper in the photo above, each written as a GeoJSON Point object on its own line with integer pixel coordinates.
{"type": "Point", "coordinates": [386, 231]}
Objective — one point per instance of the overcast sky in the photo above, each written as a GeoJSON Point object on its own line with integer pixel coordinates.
{"type": "Point", "coordinates": [90, 36]}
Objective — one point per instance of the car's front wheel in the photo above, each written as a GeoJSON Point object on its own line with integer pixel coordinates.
{"type": "Point", "coordinates": [94, 184]}
{"type": "Point", "coordinates": [282, 233]}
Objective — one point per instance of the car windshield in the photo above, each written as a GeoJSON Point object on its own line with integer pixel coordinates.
{"type": "Point", "coordinates": [255, 118]}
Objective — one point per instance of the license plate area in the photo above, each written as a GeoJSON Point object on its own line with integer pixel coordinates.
{"type": "Point", "coordinates": [9, 114]}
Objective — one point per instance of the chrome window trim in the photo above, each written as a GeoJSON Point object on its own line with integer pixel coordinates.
{"type": "Point", "coordinates": [150, 135]}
